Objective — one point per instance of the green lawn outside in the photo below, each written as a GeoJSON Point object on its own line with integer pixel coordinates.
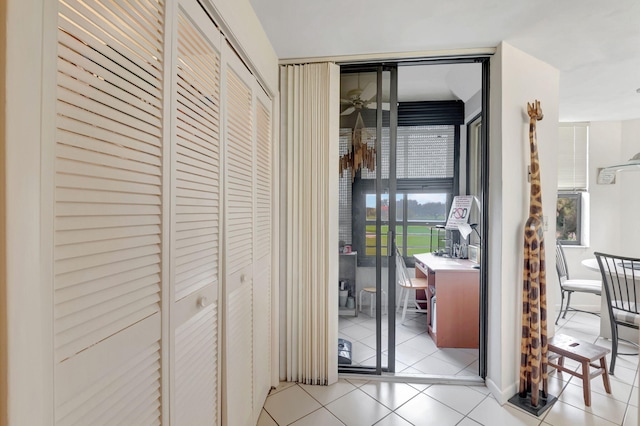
{"type": "Point", "coordinates": [419, 240]}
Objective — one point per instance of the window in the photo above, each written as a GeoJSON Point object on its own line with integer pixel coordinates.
{"type": "Point", "coordinates": [427, 155]}
{"type": "Point", "coordinates": [568, 214]}
{"type": "Point", "coordinates": [416, 215]}
{"type": "Point", "coordinates": [573, 147]}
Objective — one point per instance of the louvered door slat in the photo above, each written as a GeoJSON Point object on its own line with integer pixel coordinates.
{"type": "Point", "coordinates": [189, 172]}
{"type": "Point", "coordinates": [120, 224]}
{"type": "Point", "coordinates": [196, 217]}
{"type": "Point", "coordinates": [110, 71]}
{"type": "Point", "coordinates": [194, 148]}
{"type": "Point", "coordinates": [108, 195]}
{"type": "Point", "coordinates": [201, 112]}
{"type": "Point", "coordinates": [204, 239]}
{"type": "Point", "coordinates": [200, 230]}
{"type": "Point", "coordinates": [87, 143]}
{"type": "Point", "coordinates": [76, 168]}
{"type": "Point", "coordinates": [188, 197]}
{"type": "Point", "coordinates": [196, 139]}
{"type": "Point", "coordinates": [94, 94]}
{"type": "Point", "coordinates": [193, 119]}
{"type": "Point", "coordinates": [69, 306]}
{"type": "Point", "coordinates": [109, 34]}
{"type": "Point", "coordinates": [64, 295]}
{"type": "Point", "coordinates": [106, 209]}
{"type": "Point", "coordinates": [109, 374]}
{"type": "Point", "coordinates": [70, 251]}
{"type": "Point", "coordinates": [78, 116]}
{"type": "Point", "coordinates": [128, 20]}
{"type": "Point", "coordinates": [263, 179]}
{"type": "Point", "coordinates": [83, 154]}
{"type": "Point", "coordinates": [240, 357]}
{"type": "Point", "coordinates": [99, 184]}
{"type": "Point", "coordinates": [196, 342]}
{"type": "Point", "coordinates": [69, 318]}
{"type": "Point", "coordinates": [194, 53]}
{"type": "Point", "coordinates": [84, 276]}
{"type": "Point", "coordinates": [193, 261]}
{"type": "Point", "coordinates": [91, 196]}
{"type": "Point", "coordinates": [197, 167]}
{"type": "Point", "coordinates": [204, 186]}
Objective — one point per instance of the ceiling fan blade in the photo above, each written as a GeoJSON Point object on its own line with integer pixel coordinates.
{"type": "Point", "coordinates": [386, 106]}
{"type": "Point", "coordinates": [346, 101]}
{"type": "Point", "coordinates": [368, 92]}
{"type": "Point", "coordinates": [348, 111]}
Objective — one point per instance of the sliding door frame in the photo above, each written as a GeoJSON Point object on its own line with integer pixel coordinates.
{"type": "Point", "coordinates": [482, 59]}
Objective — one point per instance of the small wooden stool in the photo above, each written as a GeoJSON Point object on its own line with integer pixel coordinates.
{"type": "Point", "coordinates": [584, 353]}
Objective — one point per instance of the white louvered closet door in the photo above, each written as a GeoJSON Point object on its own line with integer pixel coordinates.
{"type": "Point", "coordinates": [107, 227]}
{"type": "Point", "coordinates": [239, 251]}
{"type": "Point", "coordinates": [195, 218]}
{"type": "Point", "coordinates": [263, 191]}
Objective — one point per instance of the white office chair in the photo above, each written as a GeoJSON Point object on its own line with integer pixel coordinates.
{"type": "Point", "coordinates": [407, 285]}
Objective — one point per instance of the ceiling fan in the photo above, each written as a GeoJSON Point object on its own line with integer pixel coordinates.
{"type": "Point", "coordinates": [358, 99]}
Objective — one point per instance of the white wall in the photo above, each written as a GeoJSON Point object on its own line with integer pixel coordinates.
{"type": "Point", "coordinates": [629, 202]}
{"type": "Point", "coordinates": [604, 150]}
{"type": "Point", "coordinates": [516, 78]}
{"type": "Point", "coordinates": [614, 224]}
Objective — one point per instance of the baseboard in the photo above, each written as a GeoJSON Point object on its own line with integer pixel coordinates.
{"type": "Point", "coordinates": [502, 396]}
{"type": "Point", "coordinates": [589, 308]}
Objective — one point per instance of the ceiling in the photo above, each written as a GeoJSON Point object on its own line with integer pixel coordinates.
{"type": "Point", "coordinates": [594, 44]}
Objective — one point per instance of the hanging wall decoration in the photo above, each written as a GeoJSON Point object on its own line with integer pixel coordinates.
{"type": "Point", "coordinates": [532, 395]}
{"type": "Point", "coordinates": [360, 153]}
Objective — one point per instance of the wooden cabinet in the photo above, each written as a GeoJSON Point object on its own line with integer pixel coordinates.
{"type": "Point", "coordinates": [453, 300]}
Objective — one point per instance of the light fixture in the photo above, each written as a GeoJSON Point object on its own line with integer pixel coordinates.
{"type": "Point", "coordinates": [360, 154]}
{"type": "Point", "coordinates": [607, 175]}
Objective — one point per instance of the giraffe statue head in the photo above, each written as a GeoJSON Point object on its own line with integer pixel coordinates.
{"type": "Point", "coordinates": [534, 110]}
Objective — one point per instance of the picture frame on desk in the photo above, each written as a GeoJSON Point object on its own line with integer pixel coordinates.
{"type": "Point", "coordinates": [474, 253]}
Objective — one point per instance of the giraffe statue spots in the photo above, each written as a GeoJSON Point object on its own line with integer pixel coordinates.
{"type": "Point", "coordinates": [534, 346]}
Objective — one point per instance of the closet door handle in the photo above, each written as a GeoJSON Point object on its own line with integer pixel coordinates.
{"type": "Point", "coordinates": [202, 302]}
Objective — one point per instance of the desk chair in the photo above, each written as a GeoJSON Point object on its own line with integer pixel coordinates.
{"type": "Point", "coordinates": [621, 279]}
{"type": "Point", "coordinates": [569, 286]}
{"type": "Point", "coordinates": [407, 285]}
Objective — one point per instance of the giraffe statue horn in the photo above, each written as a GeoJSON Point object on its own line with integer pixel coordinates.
{"type": "Point", "coordinates": [534, 110]}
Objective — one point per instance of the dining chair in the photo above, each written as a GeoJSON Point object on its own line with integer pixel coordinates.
{"type": "Point", "coordinates": [568, 285]}
{"type": "Point", "coordinates": [407, 285]}
{"type": "Point", "coordinates": [621, 281]}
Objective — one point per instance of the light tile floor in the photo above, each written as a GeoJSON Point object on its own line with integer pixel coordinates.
{"type": "Point", "coordinates": [367, 402]}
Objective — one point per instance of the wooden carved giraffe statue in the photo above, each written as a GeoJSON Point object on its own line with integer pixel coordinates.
{"type": "Point", "coordinates": [534, 348]}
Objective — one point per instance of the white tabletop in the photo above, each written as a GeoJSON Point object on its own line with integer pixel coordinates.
{"type": "Point", "coordinates": [591, 264]}
{"type": "Point", "coordinates": [440, 263]}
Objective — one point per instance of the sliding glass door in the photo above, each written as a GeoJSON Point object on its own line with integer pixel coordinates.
{"type": "Point", "coordinates": [368, 216]}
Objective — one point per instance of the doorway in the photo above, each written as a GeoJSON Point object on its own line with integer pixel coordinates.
{"type": "Point", "coordinates": [405, 155]}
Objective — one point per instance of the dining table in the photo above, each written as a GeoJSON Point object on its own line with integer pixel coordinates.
{"type": "Point", "coordinates": [605, 322]}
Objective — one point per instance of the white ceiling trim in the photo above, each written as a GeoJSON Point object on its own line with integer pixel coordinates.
{"type": "Point", "coordinates": [395, 57]}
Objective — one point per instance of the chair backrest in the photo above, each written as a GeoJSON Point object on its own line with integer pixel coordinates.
{"type": "Point", "coordinates": [621, 282]}
{"type": "Point", "coordinates": [402, 273]}
{"type": "Point", "coordinates": [561, 264]}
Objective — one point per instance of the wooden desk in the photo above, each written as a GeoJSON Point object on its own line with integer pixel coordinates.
{"type": "Point", "coordinates": [455, 284]}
